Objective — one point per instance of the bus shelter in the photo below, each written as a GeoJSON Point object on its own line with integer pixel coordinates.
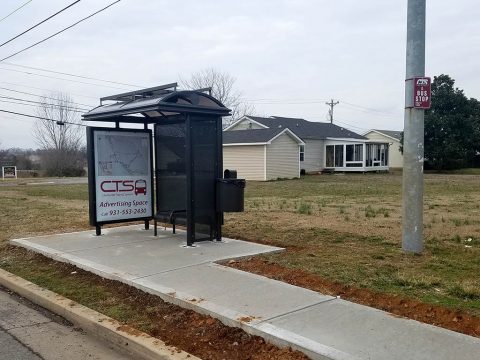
{"type": "Point", "coordinates": [187, 152]}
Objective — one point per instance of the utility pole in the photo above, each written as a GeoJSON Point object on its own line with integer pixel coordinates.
{"type": "Point", "coordinates": [330, 112]}
{"type": "Point", "coordinates": [413, 145]}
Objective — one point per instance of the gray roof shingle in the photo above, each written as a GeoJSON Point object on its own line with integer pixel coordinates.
{"type": "Point", "coordinates": [393, 133]}
{"type": "Point", "coordinates": [307, 129]}
{"type": "Point", "coordinates": [250, 136]}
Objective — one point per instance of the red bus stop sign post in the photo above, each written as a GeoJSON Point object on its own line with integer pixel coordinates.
{"type": "Point", "coordinates": [422, 93]}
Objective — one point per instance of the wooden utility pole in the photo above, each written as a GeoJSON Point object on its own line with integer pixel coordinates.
{"type": "Point", "coordinates": [330, 111]}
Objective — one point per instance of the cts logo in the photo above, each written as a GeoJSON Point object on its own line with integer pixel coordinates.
{"type": "Point", "coordinates": [114, 186]}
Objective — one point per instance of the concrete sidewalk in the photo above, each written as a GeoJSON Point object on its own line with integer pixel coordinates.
{"type": "Point", "coordinates": [321, 326]}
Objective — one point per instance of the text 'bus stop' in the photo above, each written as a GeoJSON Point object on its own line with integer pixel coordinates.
{"type": "Point", "coordinates": [187, 151]}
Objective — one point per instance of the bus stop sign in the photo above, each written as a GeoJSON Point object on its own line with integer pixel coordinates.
{"type": "Point", "coordinates": [422, 93]}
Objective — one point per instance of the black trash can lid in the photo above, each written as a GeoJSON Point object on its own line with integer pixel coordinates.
{"type": "Point", "coordinates": [235, 182]}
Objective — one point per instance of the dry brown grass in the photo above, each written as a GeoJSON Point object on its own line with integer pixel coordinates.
{"type": "Point", "coordinates": [347, 228]}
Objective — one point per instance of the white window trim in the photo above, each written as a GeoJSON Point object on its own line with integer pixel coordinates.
{"type": "Point", "coordinates": [265, 162]}
{"type": "Point", "coordinates": [300, 151]}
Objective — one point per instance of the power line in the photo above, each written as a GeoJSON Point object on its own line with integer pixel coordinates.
{"type": "Point", "coordinates": [38, 117]}
{"type": "Point", "coordinates": [2, 117]}
{"type": "Point", "coordinates": [367, 109]}
{"type": "Point", "coordinates": [285, 101]}
{"type": "Point", "coordinates": [73, 75]}
{"type": "Point", "coordinates": [44, 89]}
{"type": "Point", "coordinates": [350, 125]}
{"type": "Point", "coordinates": [58, 78]}
{"type": "Point", "coordinates": [61, 31]}
{"type": "Point", "coordinates": [46, 97]}
{"type": "Point", "coordinates": [40, 23]}
{"type": "Point", "coordinates": [36, 106]}
{"type": "Point", "coordinates": [45, 103]}
{"type": "Point", "coordinates": [14, 11]}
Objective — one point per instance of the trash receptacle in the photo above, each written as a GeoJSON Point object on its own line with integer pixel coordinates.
{"type": "Point", "coordinates": [230, 174]}
{"type": "Point", "coordinates": [230, 195]}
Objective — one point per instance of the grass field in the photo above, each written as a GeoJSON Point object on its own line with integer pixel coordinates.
{"type": "Point", "coordinates": [344, 228]}
{"type": "Point", "coordinates": [347, 228]}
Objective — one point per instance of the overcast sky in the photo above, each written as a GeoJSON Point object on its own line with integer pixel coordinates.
{"type": "Point", "coordinates": [288, 57]}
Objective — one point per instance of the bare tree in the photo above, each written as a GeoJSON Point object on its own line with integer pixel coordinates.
{"type": "Point", "coordinates": [59, 135]}
{"type": "Point", "coordinates": [222, 85]}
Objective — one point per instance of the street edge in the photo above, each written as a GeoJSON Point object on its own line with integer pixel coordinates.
{"type": "Point", "coordinates": [120, 336]}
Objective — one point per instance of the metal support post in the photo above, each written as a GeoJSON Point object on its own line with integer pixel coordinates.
{"type": "Point", "coordinates": [413, 145]}
{"type": "Point", "coordinates": [98, 230]}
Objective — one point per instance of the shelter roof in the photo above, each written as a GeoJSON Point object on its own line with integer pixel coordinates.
{"type": "Point", "coordinates": [151, 104]}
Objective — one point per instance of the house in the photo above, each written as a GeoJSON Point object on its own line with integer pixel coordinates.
{"type": "Point", "coordinates": [262, 154]}
{"type": "Point", "coordinates": [286, 146]}
{"type": "Point", "coordinates": [393, 138]}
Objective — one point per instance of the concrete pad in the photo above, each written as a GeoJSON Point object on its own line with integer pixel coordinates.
{"type": "Point", "coordinates": [252, 297]}
{"type": "Point", "coordinates": [152, 257]}
{"type": "Point", "coordinates": [132, 252]}
{"type": "Point", "coordinates": [88, 240]}
{"type": "Point", "coordinates": [373, 334]}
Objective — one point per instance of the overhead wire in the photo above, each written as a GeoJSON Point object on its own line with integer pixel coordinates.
{"type": "Point", "coordinates": [72, 75]}
{"type": "Point", "coordinates": [366, 109]}
{"type": "Point", "coordinates": [45, 103]}
{"type": "Point", "coordinates": [349, 125]}
{"type": "Point", "coordinates": [58, 78]}
{"type": "Point", "coordinates": [45, 89]}
{"type": "Point", "coordinates": [14, 11]}
{"type": "Point", "coordinates": [36, 106]}
{"type": "Point", "coordinates": [40, 23]}
{"type": "Point", "coordinates": [39, 117]}
{"type": "Point", "coordinates": [61, 31]}
{"type": "Point", "coordinates": [45, 97]}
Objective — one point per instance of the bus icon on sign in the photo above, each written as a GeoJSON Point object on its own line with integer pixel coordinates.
{"type": "Point", "coordinates": [422, 81]}
{"type": "Point", "coordinates": [140, 187]}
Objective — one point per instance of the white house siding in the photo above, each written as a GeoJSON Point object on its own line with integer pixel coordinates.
{"type": "Point", "coordinates": [314, 154]}
{"type": "Point", "coordinates": [395, 157]}
{"type": "Point", "coordinates": [246, 125]}
{"type": "Point", "coordinates": [248, 160]}
{"type": "Point", "coordinates": [283, 158]}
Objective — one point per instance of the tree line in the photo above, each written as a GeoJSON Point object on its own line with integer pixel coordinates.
{"type": "Point", "coordinates": [452, 127]}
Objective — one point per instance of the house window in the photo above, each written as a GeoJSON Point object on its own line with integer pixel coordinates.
{"type": "Point", "coordinates": [302, 152]}
{"type": "Point", "coordinates": [330, 156]}
{"type": "Point", "coordinates": [354, 155]}
{"type": "Point", "coordinates": [377, 155]}
{"type": "Point", "coordinates": [359, 152]}
{"type": "Point", "coordinates": [350, 152]}
{"type": "Point", "coordinates": [338, 155]}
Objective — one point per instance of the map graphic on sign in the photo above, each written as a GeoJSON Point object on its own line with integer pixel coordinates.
{"type": "Point", "coordinates": [123, 155]}
{"type": "Point", "coordinates": [122, 175]}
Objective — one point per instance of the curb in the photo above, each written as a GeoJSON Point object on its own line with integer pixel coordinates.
{"type": "Point", "coordinates": [122, 337]}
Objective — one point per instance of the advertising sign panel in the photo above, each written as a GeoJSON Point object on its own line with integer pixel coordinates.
{"type": "Point", "coordinates": [122, 179]}
{"type": "Point", "coordinates": [9, 172]}
{"type": "Point", "coordinates": [422, 93]}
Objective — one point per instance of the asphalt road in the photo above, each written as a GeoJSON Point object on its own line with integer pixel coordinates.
{"type": "Point", "coordinates": [28, 332]}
